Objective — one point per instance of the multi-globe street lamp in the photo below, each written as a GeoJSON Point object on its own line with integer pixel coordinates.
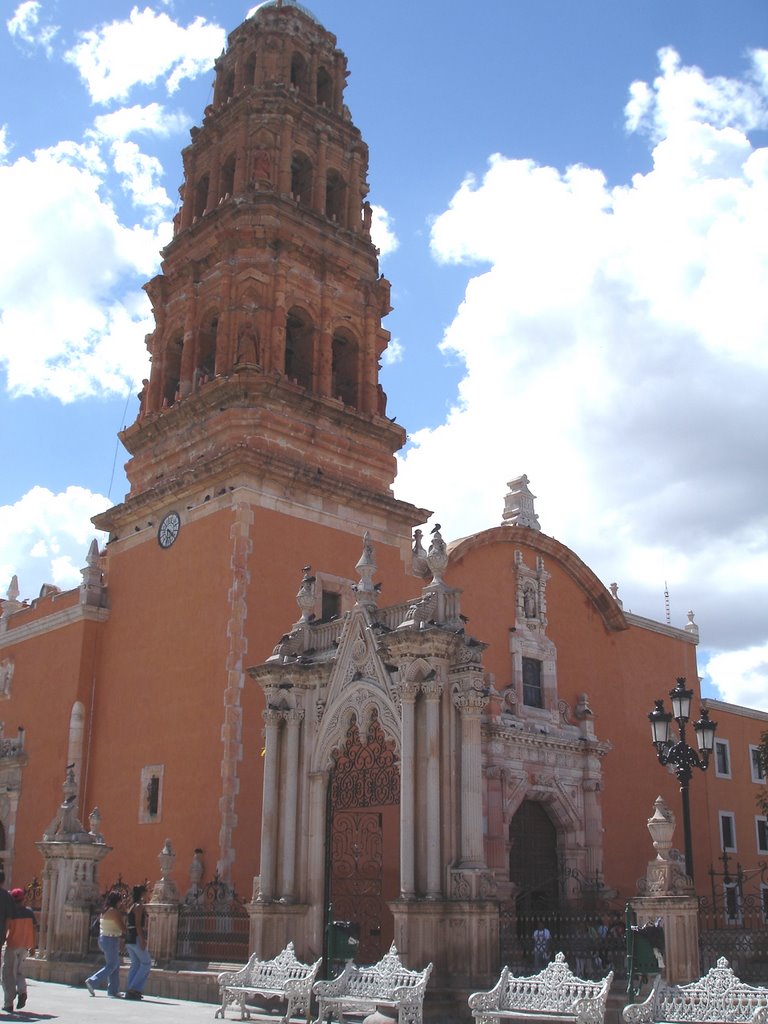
{"type": "Point", "coordinates": [678, 753]}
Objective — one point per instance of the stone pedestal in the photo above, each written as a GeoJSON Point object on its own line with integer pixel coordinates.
{"type": "Point", "coordinates": [274, 925]}
{"type": "Point", "coordinates": [460, 937]}
{"type": "Point", "coordinates": [163, 930]}
{"type": "Point", "coordinates": [667, 897]}
{"type": "Point", "coordinates": [679, 917]}
{"type": "Point", "coordinates": [70, 879]}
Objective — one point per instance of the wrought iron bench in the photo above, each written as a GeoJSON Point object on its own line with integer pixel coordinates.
{"type": "Point", "coordinates": [554, 993]}
{"type": "Point", "coordinates": [285, 977]}
{"type": "Point", "coordinates": [717, 998]}
{"type": "Point", "coordinates": [362, 989]}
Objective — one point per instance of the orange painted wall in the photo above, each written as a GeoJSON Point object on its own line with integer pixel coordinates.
{"type": "Point", "coordinates": [621, 672]}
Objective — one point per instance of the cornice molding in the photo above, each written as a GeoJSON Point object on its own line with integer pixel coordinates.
{"type": "Point", "coordinates": [49, 623]}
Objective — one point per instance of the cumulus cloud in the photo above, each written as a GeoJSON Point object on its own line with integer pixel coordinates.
{"type": "Point", "coordinates": [145, 48]}
{"type": "Point", "coordinates": [615, 342]}
{"type": "Point", "coordinates": [25, 27]}
{"type": "Point", "coordinates": [741, 676]}
{"type": "Point", "coordinates": [382, 231]}
{"type": "Point", "coordinates": [4, 144]}
{"type": "Point", "coordinates": [393, 353]}
{"type": "Point", "coordinates": [44, 538]}
{"type": "Point", "coordinates": [72, 313]}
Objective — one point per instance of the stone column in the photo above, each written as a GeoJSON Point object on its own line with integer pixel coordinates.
{"type": "Point", "coordinates": [470, 703]}
{"type": "Point", "coordinates": [432, 691]}
{"type": "Point", "coordinates": [407, 794]}
{"type": "Point", "coordinates": [290, 808]}
{"type": "Point", "coordinates": [269, 822]}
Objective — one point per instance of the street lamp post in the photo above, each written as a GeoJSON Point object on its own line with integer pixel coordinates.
{"type": "Point", "coordinates": [677, 753]}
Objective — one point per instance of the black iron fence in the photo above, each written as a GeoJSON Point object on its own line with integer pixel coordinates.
{"type": "Point", "coordinates": [213, 925]}
{"type": "Point", "coordinates": [593, 944]}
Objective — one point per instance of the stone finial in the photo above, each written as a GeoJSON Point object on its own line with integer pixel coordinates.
{"type": "Point", "coordinates": [92, 587]}
{"type": "Point", "coordinates": [366, 589]}
{"type": "Point", "coordinates": [519, 505]}
{"type": "Point", "coordinates": [94, 821]}
{"type": "Point", "coordinates": [196, 870]}
{"type": "Point", "coordinates": [305, 598]}
{"type": "Point", "coordinates": [12, 604]}
{"type": "Point", "coordinates": [661, 825]}
{"type": "Point", "coordinates": [615, 595]}
{"type": "Point", "coordinates": [437, 556]}
{"type": "Point", "coordinates": [691, 627]}
{"type": "Point", "coordinates": [66, 826]}
{"type": "Point", "coordinates": [419, 560]}
{"type": "Point", "coordinates": [165, 890]}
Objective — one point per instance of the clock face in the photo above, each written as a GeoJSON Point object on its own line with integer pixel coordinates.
{"type": "Point", "coordinates": [169, 530]}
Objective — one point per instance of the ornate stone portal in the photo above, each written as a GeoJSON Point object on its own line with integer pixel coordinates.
{"type": "Point", "coordinates": [386, 773]}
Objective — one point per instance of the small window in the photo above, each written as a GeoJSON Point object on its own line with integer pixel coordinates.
{"type": "Point", "coordinates": [761, 825]}
{"type": "Point", "coordinates": [727, 832]}
{"type": "Point", "coordinates": [722, 759]}
{"type": "Point", "coordinates": [756, 761]}
{"type": "Point", "coordinates": [151, 794]}
{"type": "Point", "coordinates": [533, 696]}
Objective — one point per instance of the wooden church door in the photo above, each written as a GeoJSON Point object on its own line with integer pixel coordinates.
{"type": "Point", "coordinates": [364, 841]}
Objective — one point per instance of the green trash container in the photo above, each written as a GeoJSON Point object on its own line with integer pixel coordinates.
{"type": "Point", "coordinates": [343, 940]}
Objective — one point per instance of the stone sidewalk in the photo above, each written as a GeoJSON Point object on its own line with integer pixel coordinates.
{"type": "Point", "coordinates": [66, 1004]}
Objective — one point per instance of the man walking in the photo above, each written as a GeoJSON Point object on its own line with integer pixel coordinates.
{"type": "Point", "coordinates": [19, 943]}
{"type": "Point", "coordinates": [7, 913]}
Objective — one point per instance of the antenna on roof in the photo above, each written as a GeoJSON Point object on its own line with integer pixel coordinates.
{"type": "Point", "coordinates": [666, 604]}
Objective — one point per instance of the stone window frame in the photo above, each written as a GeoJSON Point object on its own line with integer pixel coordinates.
{"type": "Point", "coordinates": [761, 820]}
{"type": "Point", "coordinates": [722, 744]}
{"type": "Point", "coordinates": [730, 817]}
{"type": "Point", "coordinates": [148, 772]}
{"type": "Point", "coordinates": [758, 775]}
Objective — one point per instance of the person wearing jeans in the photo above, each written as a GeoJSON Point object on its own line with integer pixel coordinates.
{"type": "Point", "coordinates": [136, 944]}
{"type": "Point", "coordinates": [111, 931]}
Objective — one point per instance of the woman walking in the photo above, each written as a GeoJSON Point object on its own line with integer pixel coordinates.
{"type": "Point", "coordinates": [136, 944]}
{"type": "Point", "coordinates": [111, 930]}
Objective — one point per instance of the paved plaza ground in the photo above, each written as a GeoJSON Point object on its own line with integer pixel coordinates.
{"type": "Point", "coordinates": [66, 1004]}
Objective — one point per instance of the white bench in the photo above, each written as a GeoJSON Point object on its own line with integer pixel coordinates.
{"type": "Point", "coordinates": [362, 989]}
{"type": "Point", "coordinates": [717, 998]}
{"type": "Point", "coordinates": [554, 993]}
{"type": "Point", "coordinates": [285, 977]}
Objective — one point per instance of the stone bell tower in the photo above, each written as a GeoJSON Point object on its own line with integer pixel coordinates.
{"type": "Point", "coordinates": [268, 310]}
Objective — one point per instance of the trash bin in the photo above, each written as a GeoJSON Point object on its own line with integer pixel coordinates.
{"type": "Point", "coordinates": [343, 940]}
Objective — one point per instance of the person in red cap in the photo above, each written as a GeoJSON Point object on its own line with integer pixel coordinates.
{"type": "Point", "coordinates": [20, 942]}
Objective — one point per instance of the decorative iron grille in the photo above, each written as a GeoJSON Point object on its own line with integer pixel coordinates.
{"type": "Point", "coordinates": [213, 925]}
{"type": "Point", "coordinates": [365, 772]}
{"type": "Point", "coordinates": [593, 944]}
{"type": "Point", "coordinates": [733, 921]}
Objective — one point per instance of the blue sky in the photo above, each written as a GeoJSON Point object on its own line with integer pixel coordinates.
{"type": "Point", "coordinates": [572, 207]}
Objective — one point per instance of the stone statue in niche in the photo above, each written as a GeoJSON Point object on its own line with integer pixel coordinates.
{"type": "Point", "coordinates": [247, 346]}
{"type": "Point", "coordinates": [262, 167]}
{"type": "Point", "coordinates": [529, 601]}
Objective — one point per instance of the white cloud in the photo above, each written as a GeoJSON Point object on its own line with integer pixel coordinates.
{"type": "Point", "coordinates": [152, 119]}
{"type": "Point", "coordinates": [24, 26]}
{"type": "Point", "coordinates": [382, 231]}
{"type": "Point", "coordinates": [741, 676]}
{"type": "Point", "coordinates": [148, 46]}
{"type": "Point", "coordinates": [393, 353]}
{"type": "Point", "coordinates": [72, 315]}
{"type": "Point", "coordinates": [44, 538]}
{"type": "Point", "coordinates": [616, 349]}
{"type": "Point", "coordinates": [5, 146]}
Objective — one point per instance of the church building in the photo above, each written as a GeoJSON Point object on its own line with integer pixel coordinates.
{"type": "Point", "coordinates": [269, 661]}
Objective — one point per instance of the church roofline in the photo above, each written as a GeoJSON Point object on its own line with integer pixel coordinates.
{"type": "Point", "coordinates": [610, 612]}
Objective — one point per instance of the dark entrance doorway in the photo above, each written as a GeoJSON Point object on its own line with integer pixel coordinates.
{"type": "Point", "coordinates": [364, 836]}
{"type": "Point", "coordinates": [533, 863]}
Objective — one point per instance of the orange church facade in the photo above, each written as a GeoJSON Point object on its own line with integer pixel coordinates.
{"type": "Point", "coordinates": [485, 679]}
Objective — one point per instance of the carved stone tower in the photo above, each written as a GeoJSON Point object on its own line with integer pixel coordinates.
{"type": "Point", "coordinates": [268, 310]}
